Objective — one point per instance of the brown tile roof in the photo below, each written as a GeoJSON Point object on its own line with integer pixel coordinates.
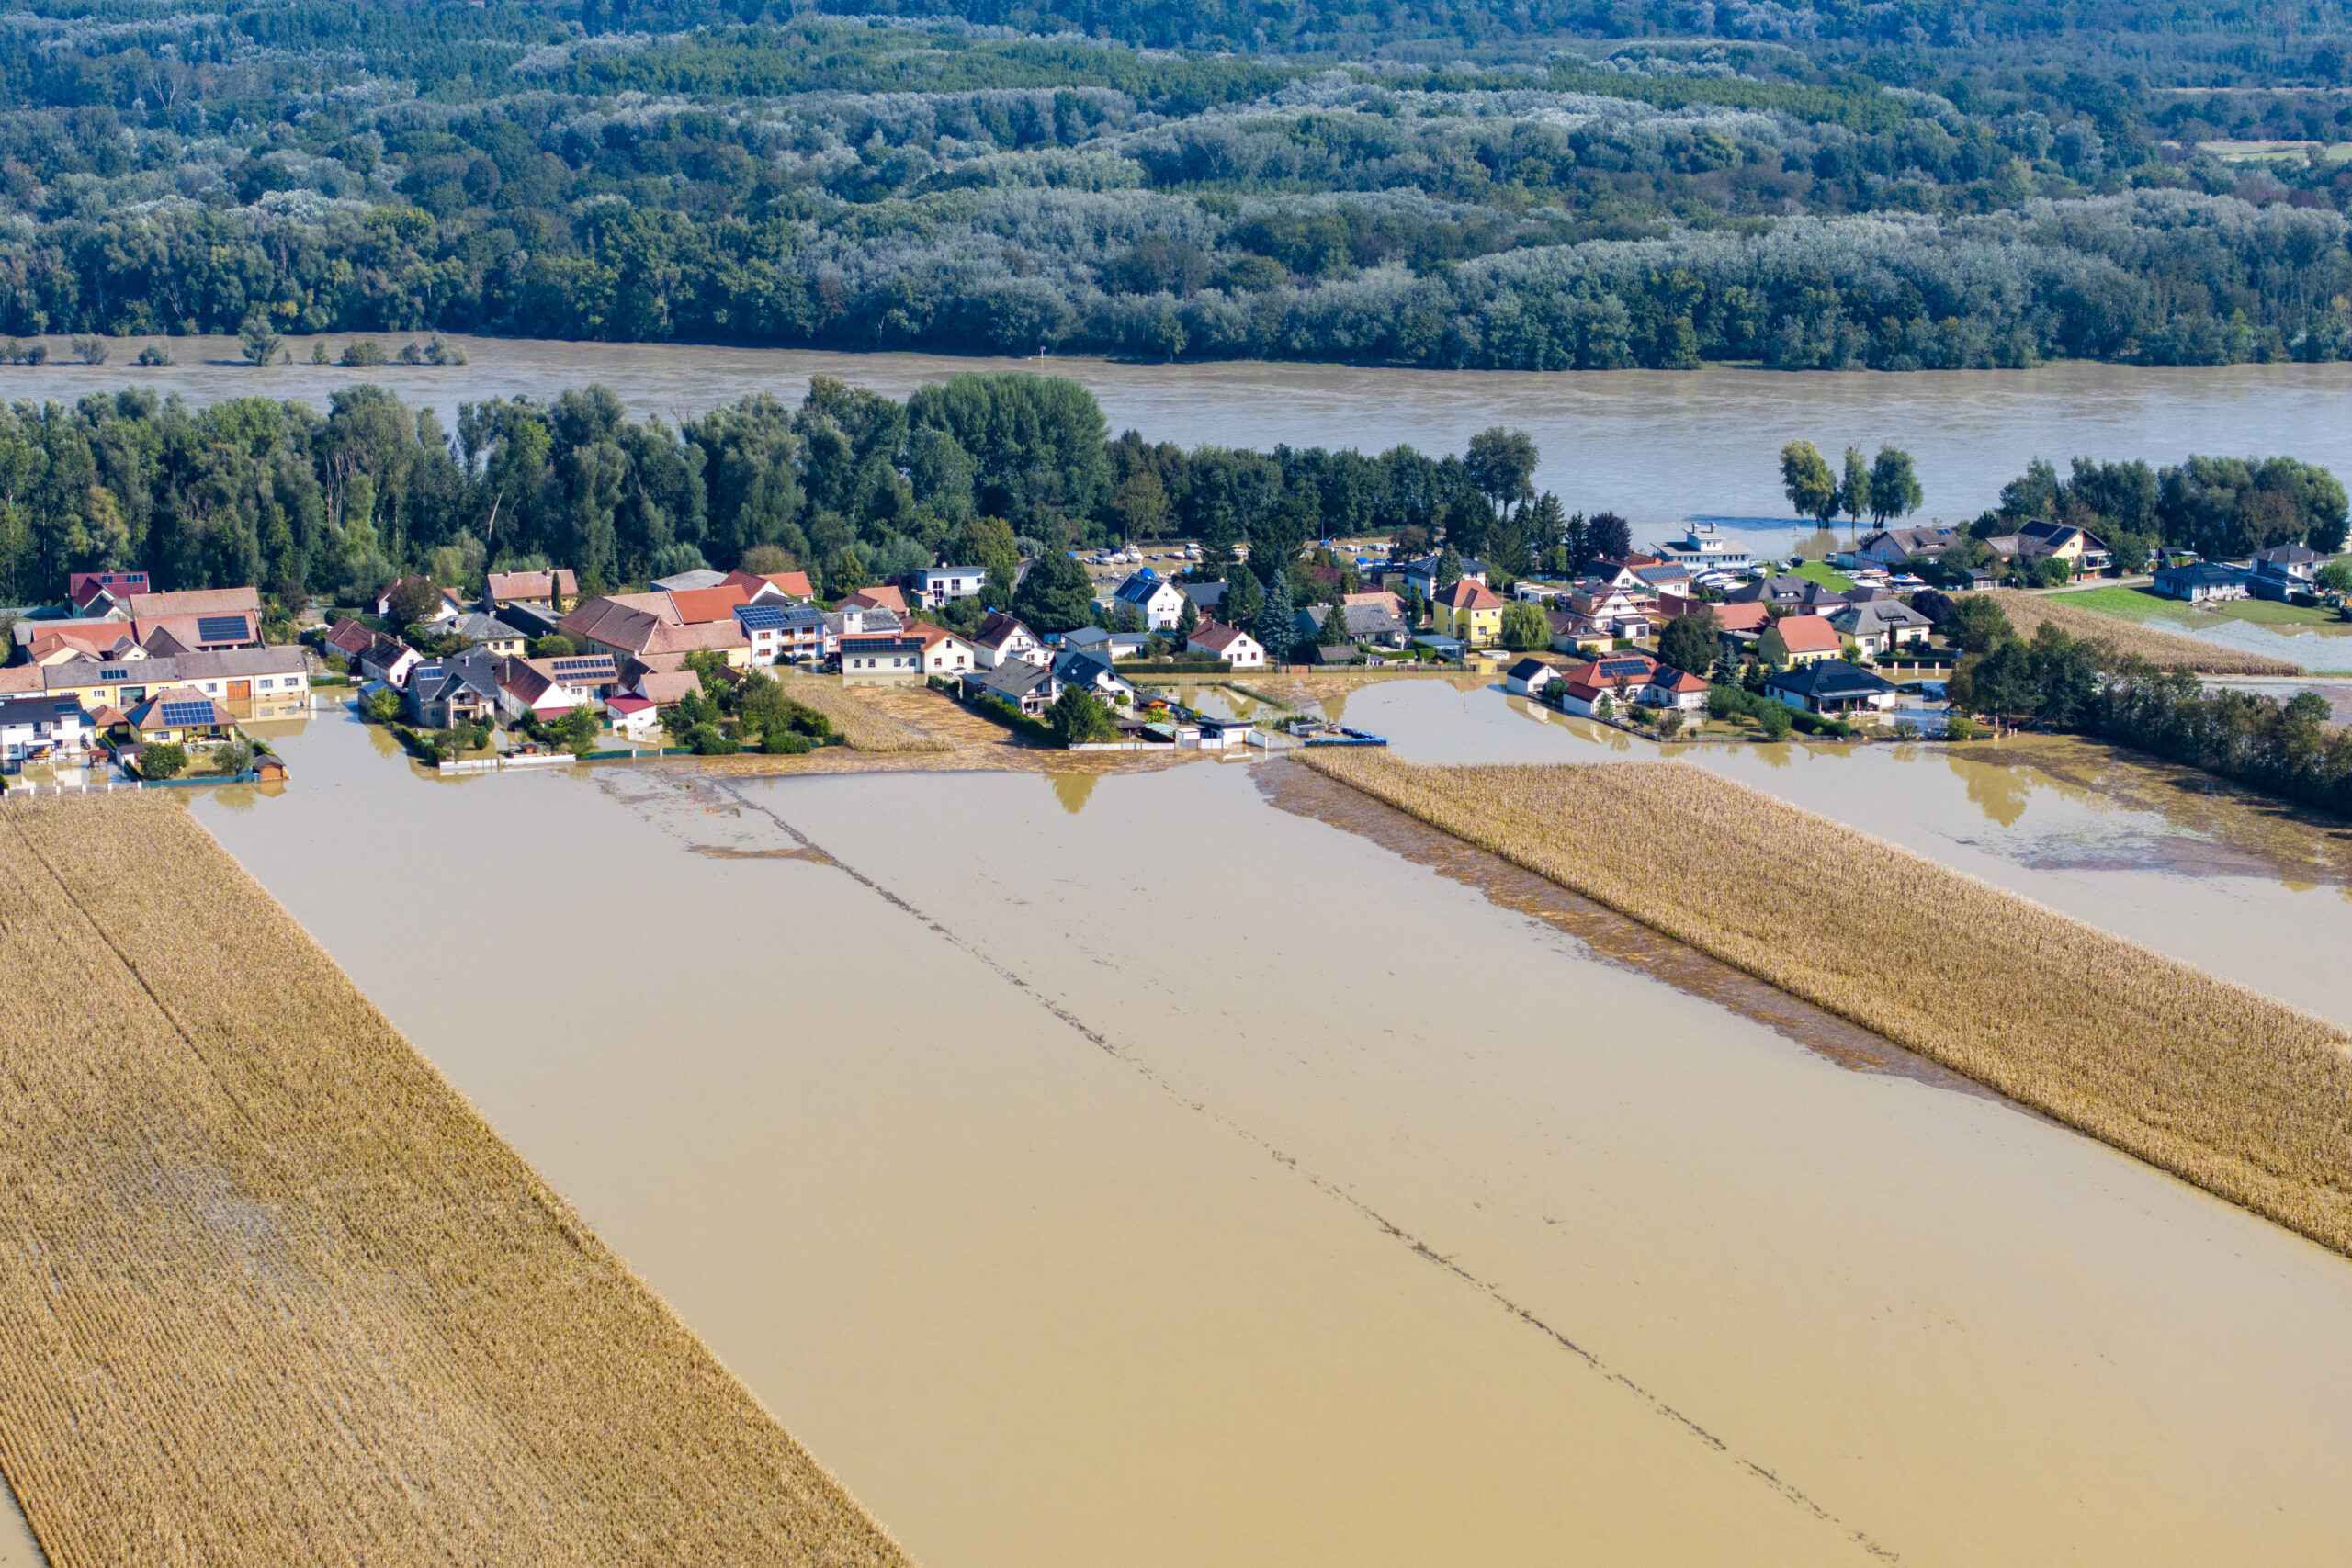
{"type": "Point", "coordinates": [883, 597]}
{"type": "Point", "coordinates": [512, 585]}
{"type": "Point", "coordinates": [792, 584]}
{"type": "Point", "coordinates": [1468, 595]}
{"type": "Point", "coordinates": [1217, 635]}
{"type": "Point", "coordinates": [197, 602]}
{"type": "Point", "coordinates": [21, 678]}
{"type": "Point", "coordinates": [995, 627]}
{"type": "Point", "coordinates": [696, 606]}
{"type": "Point", "coordinates": [1808, 634]}
{"type": "Point", "coordinates": [612, 623]}
{"type": "Point", "coordinates": [662, 689]}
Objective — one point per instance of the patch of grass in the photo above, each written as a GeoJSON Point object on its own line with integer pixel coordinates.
{"type": "Point", "coordinates": [1821, 571]}
{"type": "Point", "coordinates": [2130, 603]}
{"type": "Point", "coordinates": [2276, 612]}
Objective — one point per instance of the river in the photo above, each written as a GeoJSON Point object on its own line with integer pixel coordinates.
{"type": "Point", "coordinates": [1656, 446]}
{"type": "Point", "coordinates": [1143, 1173]}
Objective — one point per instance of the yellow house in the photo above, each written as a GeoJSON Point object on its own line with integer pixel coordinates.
{"type": "Point", "coordinates": [1471, 611]}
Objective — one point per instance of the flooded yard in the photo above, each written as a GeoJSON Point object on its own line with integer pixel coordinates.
{"type": "Point", "coordinates": [1126, 1169]}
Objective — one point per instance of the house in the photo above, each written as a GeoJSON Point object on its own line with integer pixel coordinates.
{"type": "Point", "coordinates": [1830, 686]}
{"type": "Point", "coordinates": [1703, 547]}
{"type": "Point", "coordinates": [55, 642]}
{"type": "Point", "coordinates": [2201, 580]}
{"type": "Point", "coordinates": [1232, 644]}
{"type": "Point", "coordinates": [1667, 577]}
{"type": "Point", "coordinates": [935, 585]}
{"type": "Point", "coordinates": [763, 626]}
{"type": "Point", "coordinates": [1807, 637]}
{"type": "Point", "coordinates": [487, 633]}
{"type": "Point", "coordinates": [1471, 611]}
{"type": "Point", "coordinates": [943, 653]}
{"type": "Point", "coordinates": [196, 602]}
{"type": "Point", "coordinates": [792, 587]}
{"type": "Point", "coordinates": [447, 608]}
{"type": "Point", "coordinates": [1111, 645]}
{"type": "Point", "coordinates": [632, 718]}
{"type": "Point", "coordinates": [450, 692]}
{"type": "Point", "coordinates": [1571, 633]}
{"type": "Point", "coordinates": [263, 675]}
{"type": "Point", "coordinates": [1372, 623]}
{"type": "Point", "coordinates": [688, 580]}
{"type": "Point", "coordinates": [98, 591]}
{"type": "Point", "coordinates": [541, 590]}
{"type": "Point", "coordinates": [883, 596]}
{"type": "Point", "coordinates": [1893, 547]}
{"type": "Point", "coordinates": [1677, 690]}
{"type": "Point", "coordinates": [1878, 626]}
{"type": "Point", "coordinates": [2082, 552]}
{"type": "Point", "coordinates": [702, 606]}
{"type": "Point", "coordinates": [1420, 576]}
{"type": "Point", "coordinates": [1001, 639]}
{"type": "Point", "coordinates": [550, 688]}
{"type": "Point", "coordinates": [862, 620]}
{"type": "Point", "coordinates": [1528, 677]}
{"type": "Point", "coordinates": [1205, 597]}
{"type": "Point", "coordinates": [2283, 570]}
{"type": "Point", "coordinates": [1383, 597]}
{"type": "Point", "coordinates": [1032, 688]}
{"type": "Point", "coordinates": [179, 715]}
{"type": "Point", "coordinates": [664, 688]}
{"type": "Point", "coordinates": [1160, 602]}
{"type": "Point", "coordinates": [632, 630]}
{"type": "Point", "coordinates": [1605, 611]}
{"type": "Point", "coordinates": [1606, 684]}
{"type": "Point", "coordinates": [374, 655]}
{"type": "Point", "coordinates": [1092, 672]}
{"type": "Point", "coordinates": [42, 726]}
{"type": "Point", "coordinates": [893, 655]}
{"type": "Point", "coordinates": [1798, 596]}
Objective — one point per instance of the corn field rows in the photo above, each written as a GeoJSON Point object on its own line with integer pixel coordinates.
{"type": "Point", "coordinates": [2165, 651]}
{"type": "Point", "coordinates": [864, 716]}
{"type": "Point", "coordinates": [272, 1293]}
{"type": "Point", "coordinates": [2243, 1095]}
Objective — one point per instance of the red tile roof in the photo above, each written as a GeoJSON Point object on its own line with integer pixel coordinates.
{"type": "Point", "coordinates": [1808, 634]}
{"type": "Point", "coordinates": [699, 606]}
{"type": "Point", "coordinates": [1468, 595]}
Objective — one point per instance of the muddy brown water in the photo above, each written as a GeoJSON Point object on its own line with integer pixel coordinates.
{"type": "Point", "coordinates": [1653, 446]}
{"type": "Point", "coordinates": [1137, 1171]}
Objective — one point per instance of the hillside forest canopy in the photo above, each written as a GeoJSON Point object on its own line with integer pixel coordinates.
{"type": "Point", "coordinates": [981, 469]}
{"type": "Point", "coordinates": [1549, 185]}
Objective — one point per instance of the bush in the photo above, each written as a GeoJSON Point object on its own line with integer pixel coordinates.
{"type": "Point", "coordinates": [783, 742]}
{"type": "Point", "coordinates": [382, 707]}
{"type": "Point", "coordinates": [1775, 719]}
{"type": "Point", "coordinates": [161, 760]}
{"type": "Point", "coordinates": [555, 645]}
{"type": "Point", "coordinates": [707, 741]}
{"type": "Point", "coordinates": [1958, 728]}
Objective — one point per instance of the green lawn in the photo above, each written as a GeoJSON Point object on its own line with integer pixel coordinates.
{"type": "Point", "coordinates": [2143, 605]}
{"type": "Point", "coordinates": [1822, 572]}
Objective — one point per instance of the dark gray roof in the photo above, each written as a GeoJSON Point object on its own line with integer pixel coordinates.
{"type": "Point", "coordinates": [1829, 678]}
{"type": "Point", "coordinates": [178, 670]}
{"type": "Point", "coordinates": [2203, 572]}
{"type": "Point", "coordinates": [1205, 597]}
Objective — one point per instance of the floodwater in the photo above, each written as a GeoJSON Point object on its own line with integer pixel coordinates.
{"type": "Point", "coordinates": [18, 1548]}
{"type": "Point", "coordinates": [1653, 446]}
{"type": "Point", "coordinates": [1147, 1174]}
{"type": "Point", "coordinates": [2174, 859]}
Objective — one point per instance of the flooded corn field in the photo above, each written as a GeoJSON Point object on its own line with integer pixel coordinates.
{"type": "Point", "coordinates": [1166, 1167]}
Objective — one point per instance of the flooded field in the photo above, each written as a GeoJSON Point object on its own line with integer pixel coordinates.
{"type": "Point", "coordinates": [2168, 856]}
{"type": "Point", "coordinates": [1126, 1169]}
{"type": "Point", "coordinates": [1653, 446]}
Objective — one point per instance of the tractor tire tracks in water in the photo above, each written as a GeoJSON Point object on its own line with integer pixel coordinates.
{"type": "Point", "coordinates": [812, 850]}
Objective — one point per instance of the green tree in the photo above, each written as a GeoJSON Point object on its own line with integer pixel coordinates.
{"type": "Point", "coordinates": [1772, 648]}
{"type": "Point", "coordinates": [1449, 568]}
{"type": "Point", "coordinates": [1975, 624]}
{"type": "Point", "coordinates": [578, 730]}
{"type": "Point", "coordinates": [1805, 478]}
{"type": "Point", "coordinates": [1773, 716]}
{"type": "Point", "coordinates": [1895, 489]}
{"type": "Point", "coordinates": [1080, 718]}
{"type": "Point", "coordinates": [1500, 465]}
{"type": "Point", "coordinates": [1524, 629]}
{"type": "Point", "coordinates": [1056, 595]}
{"type": "Point", "coordinates": [1243, 603]}
{"type": "Point", "coordinates": [1335, 627]}
{"type": "Point", "coordinates": [555, 645]}
{"type": "Point", "coordinates": [2336, 576]}
{"type": "Point", "coordinates": [383, 706]}
{"type": "Point", "coordinates": [1689, 642]}
{"type": "Point", "coordinates": [1854, 489]}
{"type": "Point", "coordinates": [161, 760]}
{"type": "Point", "coordinates": [261, 342]}
{"type": "Point", "coordinates": [1277, 625]}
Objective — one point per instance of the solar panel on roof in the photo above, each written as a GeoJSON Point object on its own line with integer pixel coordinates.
{"type": "Point", "coordinates": [187, 712]}
{"type": "Point", "coordinates": [759, 617]}
{"type": "Point", "coordinates": [219, 628]}
{"type": "Point", "coordinates": [570, 666]}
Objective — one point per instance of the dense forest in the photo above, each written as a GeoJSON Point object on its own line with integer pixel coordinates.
{"type": "Point", "coordinates": [982, 469]}
{"type": "Point", "coordinates": [1538, 186]}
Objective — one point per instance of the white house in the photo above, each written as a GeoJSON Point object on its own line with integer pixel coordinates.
{"type": "Point", "coordinates": [935, 585]}
{"type": "Point", "coordinates": [632, 717]}
{"type": "Point", "coordinates": [1528, 677]}
{"type": "Point", "coordinates": [1160, 602]}
{"type": "Point", "coordinates": [1001, 639]}
{"type": "Point", "coordinates": [1676, 689]}
{"type": "Point", "coordinates": [449, 608]}
{"type": "Point", "coordinates": [1232, 644]}
{"type": "Point", "coordinates": [41, 726]}
{"type": "Point", "coordinates": [944, 653]}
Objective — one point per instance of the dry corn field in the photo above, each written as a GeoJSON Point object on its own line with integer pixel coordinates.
{"type": "Point", "coordinates": [272, 1293]}
{"type": "Point", "coordinates": [2165, 651]}
{"type": "Point", "coordinates": [2245, 1096]}
{"type": "Point", "coordinates": [871, 718]}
